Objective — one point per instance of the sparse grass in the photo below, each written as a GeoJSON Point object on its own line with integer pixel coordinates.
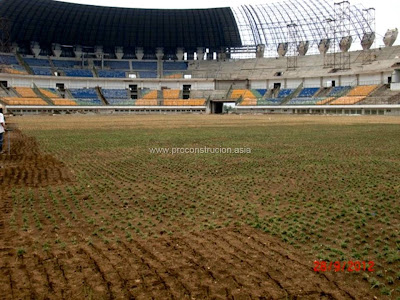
{"type": "Point", "coordinates": [330, 190]}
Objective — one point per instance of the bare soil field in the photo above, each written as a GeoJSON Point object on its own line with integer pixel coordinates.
{"type": "Point", "coordinates": [87, 212]}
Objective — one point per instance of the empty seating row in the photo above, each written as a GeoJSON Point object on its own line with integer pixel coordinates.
{"type": "Point", "coordinates": [23, 101]}
{"type": "Point", "coordinates": [245, 94]}
{"type": "Point", "coordinates": [283, 93]}
{"type": "Point", "coordinates": [363, 90]}
{"type": "Point", "coordinates": [115, 93]}
{"type": "Point", "coordinates": [117, 97]}
{"type": "Point", "coordinates": [15, 69]}
{"type": "Point", "coordinates": [308, 92]}
{"type": "Point", "coordinates": [34, 62]}
{"type": "Point", "coordinates": [8, 60]}
{"type": "Point", "coordinates": [111, 74]}
{"type": "Point", "coordinates": [78, 72]}
{"type": "Point", "coordinates": [173, 75]}
{"type": "Point", "coordinates": [144, 65]}
{"type": "Point", "coordinates": [338, 91]}
{"type": "Point", "coordinates": [150, 94]}
{"type": "Point", "coordinates": [66, 64]}
{"type": "Point", "coordinates": [117, 64]}
{"type": "Point", "coordinates": [120, 101]}
{"type": "Point", "coordinates": [249, 102]}
{"type": "Point", "coordinates": [259, 92]}
{"type": "Point", "coordinates": [42, 71]}
{"type": "Point", "coordinates": [64, 102]}
{"type": "Point", "coordinates": [146, 102]}
{"type": "Point", "coordinates": [85, 96]}
{"type": "Point", "coordinates": [304, 101]}
{"type": "Point", "coordinates": [171, 94]}
{"type": "Point", "coordinates": [147, 74]}
{"type": "Point", "coordinates": [270, 101]}
{"type": "Point", "coordinates": [26, 92]}
{"type": "Point", "coordinates": [345, 100]}
{"type": "Point", "coordinates": [175, 66]}
{"type": "Point", "coordinates": [55, 97]}
{"type": "Point", "coordinates": [50, 93]}
{"type": "Point", "coordinates": [184, 102]}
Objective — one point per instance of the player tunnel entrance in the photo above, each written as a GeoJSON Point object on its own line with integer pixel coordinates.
{"type": "Point", "coordinates": [221, 107]}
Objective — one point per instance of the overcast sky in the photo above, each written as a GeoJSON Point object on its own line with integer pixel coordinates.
{"type": "Point", "coordinates": [387, 11]}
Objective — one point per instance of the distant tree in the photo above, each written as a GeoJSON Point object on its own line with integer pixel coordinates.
{"type": "Point", "coordinates": [227, 109]}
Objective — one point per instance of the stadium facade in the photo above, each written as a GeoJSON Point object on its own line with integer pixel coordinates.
{"type": "Point", "coordinates": [297, 57]}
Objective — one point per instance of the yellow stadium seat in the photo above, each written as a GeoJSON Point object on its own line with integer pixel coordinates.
{"type": "Point", "coordinates": [151, 95]}
{"type": "Point", "coordinates": [236, 94]}
{"type": "Point", "coordinates": [146, 102]}
{"type": "Point", "coordinates": [23, 101]}
{"type": "Point", "coordinates": [26, 92]}
{"type": "Point", "coordinates": [347, 100]}
{"type": "Point", "coordinates": [363, 90]}
{"type": "Point", "coordinates": [60, 101]}
{"type": "Point", "coordinates": [248, 102]}
{"type": "Point", "coordinates": [13, 71]}
{"type": "Point", "coordinates": [171, 94]}
{"type": "Point", "coordinates": [325, 101]}
{"type": "Point", "coordinates": [49, 94]}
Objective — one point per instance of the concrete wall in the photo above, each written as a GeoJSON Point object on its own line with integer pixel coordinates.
{"type": "Point", "coordinates": [258, 84]}
{"type": "Point", "coordinates": [293, 83]}
{"type": "Point", "coordinates": [312, 82]}
{"type": "Point", "coordinates": [395, 86]}
{"type": "Point", "coordinates": [349, 80]}
{"type": "Point", "coordinates": [366, 79]}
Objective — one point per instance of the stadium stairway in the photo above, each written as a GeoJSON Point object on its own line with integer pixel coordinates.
{"type": "Point", "coordinates": [293, 94]}
{"type": "Point", "coordinates": [23, 63]}
{"type": "Point", "coordinates": [323, 92]}
{"type": "Point", "coordinates": [269, 94]}
{"type": "Point", "coordinates": [41, 95]}
{"type": "Point", "coordinates": [95, 73]}
{"type": "Point", "coordinates": [6, 92]}
{"type": "Point", "coordinates": [101, 96]}
{"type": "Point", "coordinates": [68, 94]}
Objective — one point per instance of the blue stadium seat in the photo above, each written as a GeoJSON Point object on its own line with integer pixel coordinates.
{"type": "Point", "coordinates": [118, 101]}
{"type": "Point", "coordinates": [115, 93]}
{"type": "Point", "coordinates": [78, 72]}
{"type": "Point", "coordinates": [111, 74]}
{"type": "Point", "coordinates": [117, 64]}
{"type": "Point", "coordinates": [147, 74]}
{"type": "Point", "coordinates": [42, 71]}
{"type": "Point", "coordinates": [262, 91]}
{"type": "Point", "coordinates": [85, 96]}
{"type": "Point", "coordinates": [175, 66]}
{"type": "Point", "coordinates": [285, 92]}
{"type": "Point", "coordinates": [8, 60]}
{"type": "Point", "coordinates": [338, 91]}
{"type": "Point", "coordinates": [66, 63]}
{"type": "Point", "coordinates": [19, 68]}
{"type": "Point", "coordinates": [117, 97]}
{"type": "Point", "coordinates": [143, 65]}
{"type": "Point", "coordinates": [304, 101]}
{"type": "Point", "coordinates": [35, 62]}
{"type": "Point", "coordinates": [270, 101]}
{"type": "Point", "coordinates": [308, 92]}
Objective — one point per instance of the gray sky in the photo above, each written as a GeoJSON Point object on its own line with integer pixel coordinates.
{"type": "Point", "coordinates": [387, 11]}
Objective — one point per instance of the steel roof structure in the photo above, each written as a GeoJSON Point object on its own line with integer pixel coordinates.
{"type": "Point", "coordinates": [269, 24]}
{"type": "Point", "coordinates": [238, 29]}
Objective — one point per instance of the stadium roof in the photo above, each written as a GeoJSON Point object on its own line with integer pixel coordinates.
{"type": "Point", "coordinates": [47, 22]}
{"type": "Point", "coordinates": [236, 28]}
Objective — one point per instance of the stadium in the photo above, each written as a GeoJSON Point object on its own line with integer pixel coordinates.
{"type": "Point", "coordinates": [242, 152]}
